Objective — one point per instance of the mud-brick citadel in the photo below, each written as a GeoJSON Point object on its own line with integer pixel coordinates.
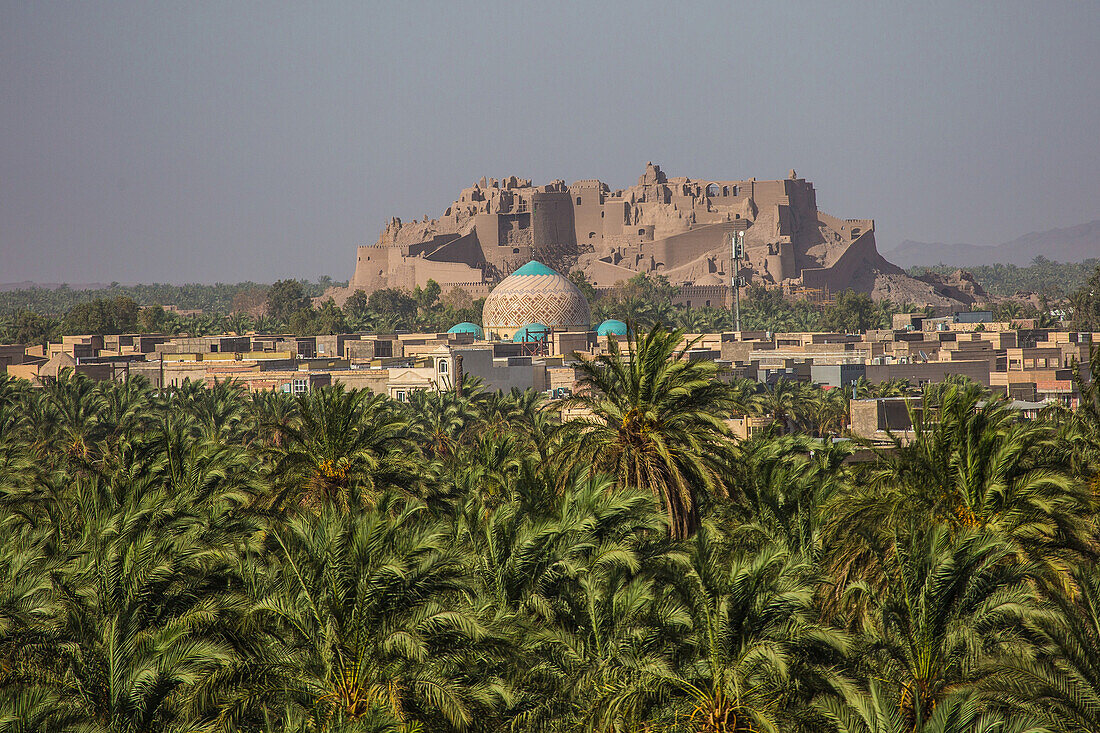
{"type": "Point", "coordinates": [677, 227]}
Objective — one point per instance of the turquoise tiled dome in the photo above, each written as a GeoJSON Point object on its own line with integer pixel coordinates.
{"type": "Point", "coordinates": [531, 332]}
{"type": "Point", "coordinates": [467, 327]}
{"type": "Point", "coordinates": [611, 326]}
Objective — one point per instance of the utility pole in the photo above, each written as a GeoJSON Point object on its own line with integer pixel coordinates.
{"type": "Point", "coordinates": [737, 245]}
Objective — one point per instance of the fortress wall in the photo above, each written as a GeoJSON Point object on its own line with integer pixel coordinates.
{"type": "Point", "coordinates": [447, 274]}
{"type": "Point", "coordinates": [429, 245]}
{"type": "Point", "coordinates": [783, 220]}
{"type": "Point", "coordinates": [553, 224]}
{"type": "Point", "coordinates": [769, 193]}
{"type": "Point", "coordinates": [605, 275]}
{"type": "Point", "coordinates": [801, 194]}
{"type": "Point", "coordinates": [786, 261]}
{"type": "Point", "coordinates": [613, 217]}
{"type": "Point", "coordinates": [847, 270]}
{"type": "Point", "coordinates": [473, 289]}
{"type": "Point", "coordinates": [845, 226]}
{"type": "Point", "coordinates": [703, 296]}
{"type": "Point", "coordinates": [465, 249]}
{"type": "Point", "coordinates": [680, 249]}
{"type": "Point", "coordinates": [374, 267]}
{"type": "Point", "coordinates": [488, 231]}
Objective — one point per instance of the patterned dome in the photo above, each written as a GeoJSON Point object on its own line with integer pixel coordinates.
{"type": "Point", "coordinates": [534, 294]}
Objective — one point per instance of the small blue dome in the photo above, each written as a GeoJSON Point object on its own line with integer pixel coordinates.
{"type": "Point", "coordinates": [531, 332]}
{"type": "Point", "coordinates": [467, 327]}
{"type": "Point", "coordinates": [612, 327]}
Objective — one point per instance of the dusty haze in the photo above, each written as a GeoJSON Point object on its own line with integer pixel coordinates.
{"type": "Point", "coordinates": [210, 142]}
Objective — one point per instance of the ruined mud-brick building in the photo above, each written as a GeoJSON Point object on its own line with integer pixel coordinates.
{"type": "Point", "coordinates": [676, 227]}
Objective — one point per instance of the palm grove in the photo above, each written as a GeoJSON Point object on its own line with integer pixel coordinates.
{"type": "Point", "coordinates": [205, 559]}
{"type": "Point", "coordinates": [38, 315]}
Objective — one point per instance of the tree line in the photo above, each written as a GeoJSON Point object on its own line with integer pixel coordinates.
{"type": "Point", "coordinates": [201, 558]}
{"type": "Point", "coordinates": [1049, 277]}
{"type": "Point", "coordinates": [217, 298]}
{"type": "Point", "coordinates": [288, 306]}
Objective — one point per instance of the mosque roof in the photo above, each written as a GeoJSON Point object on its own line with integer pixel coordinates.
{"type": "Point", "coordinates": [466, 327]}
{"type": "Point", "coordinates": [535, 294]}
{"type": "Point", "coordinates": [531, 332]}
{"type": "Point", "coordinates": [612, 326]}
{"type": "Point", "coordinates": [535, 268]}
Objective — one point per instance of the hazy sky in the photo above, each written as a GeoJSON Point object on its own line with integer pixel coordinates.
{"type": "Point", "coordinates": [201, 141]}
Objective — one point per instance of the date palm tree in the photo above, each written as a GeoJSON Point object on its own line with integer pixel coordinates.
{"type": "Point", "coordinates": [824, 411]}
{"type": "Point", "coordinates": [366, 611]}
{"type": "Point", "coordinates": [39, 710]}
{"type": "Point", "coordinates": [785, 401]}
{"type": "Point", "coordinates": [346, 447]}
{"type": "Point", "coordinates": [570, 575]}
{"type": "Point", "coordinates": [219, 409]}
{"type": "Point", "coordinates": [76, 404]}
{"type": "Point", "coordinates": [125, 406]}
{"type": "Point", "coordinates": [783, 486]}
{"type": "Point", "coordinates": [1061, 683]}
{"type": "Point", "coordinates": [971, 464]}
{"type": "Point", "coordinates": [439, 418]}
{"type": "Point", "coordinates": [875, 710]}
{"type": "Point", "coordinates": [752, 647]}
{"type": "Point", "coordinates": [653, 420]}
{"type": "Point", "coordinates": [950, 613]}
{"type": "Point", "coordinates": [612, 626]}
{"type": "Point", "coordinates": [1079, 429]}
{"type": "Point", "coordinates": [136, 630]}
{"type": "Point", "coordinates": [748, 397]}
{"type": "Point", "coordinates": [269, 417]}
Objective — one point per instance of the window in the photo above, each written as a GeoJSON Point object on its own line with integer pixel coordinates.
{"type": "Point", "coordinates": [301, 386]}
{"type": "Point", "coordinates": [712, 189]}
{"type": "Point", "coordinates": [578, 201]}
{"type": "Point", "coordinates": [402, 396]}
{"type": "Point", "coordinates": [707, 304]}
{"type": "Point", "coordinates": [641, 231]}
{"type": "Point", "coordinates": [443, 366]}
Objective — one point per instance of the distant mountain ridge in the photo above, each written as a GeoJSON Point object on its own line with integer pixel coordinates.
{"type": "Point", "coordinates": [1071, 244]}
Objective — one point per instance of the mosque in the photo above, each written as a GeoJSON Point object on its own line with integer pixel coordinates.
{"type": "Point", "coordinates": [531, 303]}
